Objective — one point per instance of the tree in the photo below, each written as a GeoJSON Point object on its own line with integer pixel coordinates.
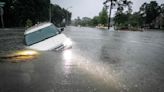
{"type": "Point", "coordinates": [59, 15]}
{"type": "Point", "coordinates": [121, 20]}
{"type": "Point", "coordinates": [162, 8]}
{"type": "Point", "coordinates": [17, 12]}
{"type": "Point", "coordinates": [162, 14]}
{"type": "Point", "coordinates": [28, 23]}
{"type": "Point", "coordinates": [95, 21]}
{"type": "Point", "coordinates": [120, 7]}
{"type": "Point", "coordinates": [128, 21]}
{"type": "Point", "coordinates": [149, 12]}
{"type": "Point", "coordinates": [103, 17]}
{"type": "Point", "coordinates": [77, 21]}
{"type": "Point", "coordinates": [85, 21]}
{"type": "Point", "coordinates": [135, 20]}
{"type": "Point", "coordinates": [8, 13]}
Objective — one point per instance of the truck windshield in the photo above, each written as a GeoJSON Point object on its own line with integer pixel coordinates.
{"type": "Point", "coordinates": [41, 35]}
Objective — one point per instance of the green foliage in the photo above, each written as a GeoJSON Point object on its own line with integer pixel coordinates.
{"type": "Point", "coordinates": [144, 18]}
{"type": "Point", "coordinates": [121, 19]}
{"type": "Point", "coordinates": [162, 8]}
{"type": "Point", "coordinates": [95, 21]}
{"type": "Point", "coordinates": [17, 12]}
{"type": "Point", "coordinates": [60, 15]}
{"type": "Point", "coordinates": [28, 23]}
{"type": "Point", "coordinates": [103, 17]}
{"type": "Point", "coordinates": [77, 21]}
{"type": "Point", "coordinates": [126, 20]}
{"type": "Point", "coordinates": [121, 5]}
{"type": "Point", "coordinates": [135, 20]}
{"type": "Point", "coordinates": [150, 11]}
{"type": "Point", "coordinates": [85, 21]}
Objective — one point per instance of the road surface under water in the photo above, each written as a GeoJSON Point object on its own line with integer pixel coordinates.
{"type": "Point", "coordinates": [99, 61]}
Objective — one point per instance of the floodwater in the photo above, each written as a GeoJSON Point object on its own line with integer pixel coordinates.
{"type": "Point", "coordinates": [99, 61]}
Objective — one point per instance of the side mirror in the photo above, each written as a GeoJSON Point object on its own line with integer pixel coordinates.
{"type": "Point", "coordinates": [61, 29]}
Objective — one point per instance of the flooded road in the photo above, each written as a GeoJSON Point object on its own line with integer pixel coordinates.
{"type": "Point", "coordinates": [99, 61]}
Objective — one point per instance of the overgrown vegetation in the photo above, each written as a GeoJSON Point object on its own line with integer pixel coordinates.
{"type": "Point", "coordinates": [18, 13]}
{"type": "Point", "coordinates": [100, 19]}
{"type": "Point", "coordinates": [150, 15]}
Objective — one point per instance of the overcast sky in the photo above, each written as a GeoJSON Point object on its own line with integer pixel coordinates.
{"type": "Point", "coordinates": [90, 8]}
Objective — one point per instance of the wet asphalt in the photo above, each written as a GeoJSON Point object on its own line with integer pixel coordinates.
{"type": "Point", "coordinates": [99, 61]}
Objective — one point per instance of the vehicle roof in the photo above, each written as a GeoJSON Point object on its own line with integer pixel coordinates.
{"type": "Point", "coordinates": [37, 27]}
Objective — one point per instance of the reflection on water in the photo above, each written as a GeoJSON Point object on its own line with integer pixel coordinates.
{"type": "Point", "coordinates": [97, 71]}
{"type": "Point", "coordinates": [26, 53]}
{"type": "Point", "coordinates": [67, 56]}
{"type": "Point", "coordinates": [19, 56]}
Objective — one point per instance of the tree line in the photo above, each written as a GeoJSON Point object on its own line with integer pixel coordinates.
{"type": "Point", "coordinates": [22, 13]}
{"type": "Point", "coordinates": [86, 21]}
{"type": "Point", "coordinates": [150, 15]}
{"type": "Point", "coordinates": [103, 18]}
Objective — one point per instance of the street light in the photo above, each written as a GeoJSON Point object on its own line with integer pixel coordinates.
{"type": "Point", "coordinates": [67, 15]}
{"type": "Point", "coordinates": [2, 12]}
